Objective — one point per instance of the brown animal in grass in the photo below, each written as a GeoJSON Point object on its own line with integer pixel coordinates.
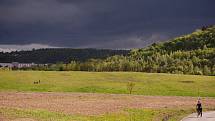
{"type": "Point", "coordinates": [37, 82]}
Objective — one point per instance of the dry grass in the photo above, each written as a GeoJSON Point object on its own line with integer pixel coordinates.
{"type": "Point", "coordinates": [95, 104]}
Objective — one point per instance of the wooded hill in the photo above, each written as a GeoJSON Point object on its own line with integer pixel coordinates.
{"type": "Point", "coordinates": [190, 54]}
{"type": "Point", "coordinates": [55, 55]}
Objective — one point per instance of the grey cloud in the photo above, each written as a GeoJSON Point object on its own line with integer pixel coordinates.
{"type": "Point", "coordinates": [100, 23]}
{"type": "Point", "coordinates": [9, 48]}
{"type": "Point", "coordinates": [44, 11]}
{"type": "Point", "coordinates": [130, 41]}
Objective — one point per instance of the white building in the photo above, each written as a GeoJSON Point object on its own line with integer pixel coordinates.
{"type": "Point", "coordinates": [17, 65]}
{"type": "Point", "coordinates": [10, 65]}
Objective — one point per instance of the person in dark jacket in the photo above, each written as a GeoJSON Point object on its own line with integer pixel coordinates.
{"type": "Point", "coordinates": [199, 108]}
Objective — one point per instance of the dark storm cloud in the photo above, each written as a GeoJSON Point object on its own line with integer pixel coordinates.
{"type": "Point", "coordinates": [100, 23]}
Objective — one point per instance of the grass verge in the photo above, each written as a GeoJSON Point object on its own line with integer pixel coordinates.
{"type": "Point", "coordinates": [126, 115]}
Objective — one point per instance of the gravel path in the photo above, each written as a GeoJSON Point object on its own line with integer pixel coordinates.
{"type": "Point", "coordinates": [207, 116]}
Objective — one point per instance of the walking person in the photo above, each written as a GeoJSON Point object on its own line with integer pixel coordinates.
{"type": "Point", "coordinates": [199, 108]}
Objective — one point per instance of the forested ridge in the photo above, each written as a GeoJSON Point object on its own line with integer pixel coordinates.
{"type": "Point", "coordinates": [190, 54]}
{"type": "Point", "coordinates": [56, 55]}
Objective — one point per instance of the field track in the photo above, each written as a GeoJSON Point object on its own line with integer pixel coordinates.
{"type": "Point", "coordinates": [94, 104]}
{"type": "Point", "coordinates": [207, 116]}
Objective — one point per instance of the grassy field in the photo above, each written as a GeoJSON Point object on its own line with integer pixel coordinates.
{"type": "Point", "coordinates": [126, 115]}
{"type": "Point", "coordinates": [108, 82]}
{"type": "Point", "coordinates": [101, 82]}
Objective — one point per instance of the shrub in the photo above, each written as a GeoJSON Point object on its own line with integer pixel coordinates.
{"type": "Point", "coordinates": [130, 86]}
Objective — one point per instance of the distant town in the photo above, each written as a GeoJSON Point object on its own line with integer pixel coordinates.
{"type": "Point", "coordinates": [20, 65]}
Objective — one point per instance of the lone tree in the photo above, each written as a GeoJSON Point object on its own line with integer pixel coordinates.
{"type": "Point", "coordinates": [130, 86]}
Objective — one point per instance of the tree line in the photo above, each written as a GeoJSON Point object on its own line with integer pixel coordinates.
{"type": "Point", "coordinates": [178, 62]}
{"type": "Point", "coordinates": [55, 55]}
{"type": "Point", "coordinates": [189, 54]}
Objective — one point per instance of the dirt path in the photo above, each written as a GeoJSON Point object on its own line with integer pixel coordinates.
{"type": "Point", "coordinates": [93, 104]}
{"type": "Point", "coordinates": [23, 119]}
{"type": "Point", "coordinates": [207, 116]}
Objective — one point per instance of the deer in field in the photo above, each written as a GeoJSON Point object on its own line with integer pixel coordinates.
{"type": "Point", "coordinates": [37, 82]}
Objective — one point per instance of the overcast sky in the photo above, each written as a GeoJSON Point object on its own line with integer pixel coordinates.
{"type": "Point", "coordinates": [116, 24]}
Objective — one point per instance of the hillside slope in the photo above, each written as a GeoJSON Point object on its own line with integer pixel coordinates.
{"type": "Point", "coordinates": [54, 55]}
{"type": "Point", "coordinates": [190, 54]}
{"type": "Point", "coordinates": [199, 39]}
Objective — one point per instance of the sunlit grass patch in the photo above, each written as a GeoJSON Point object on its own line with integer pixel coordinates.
{"type": "Point", "coordinates": [108, 82]}
{"type": "Point", "coordinates": [126, 115]}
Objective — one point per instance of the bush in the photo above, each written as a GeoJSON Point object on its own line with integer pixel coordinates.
{"type": "Point", "coordinates": [130, 86]}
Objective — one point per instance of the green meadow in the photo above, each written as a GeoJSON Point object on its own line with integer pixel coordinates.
{"type": "Point", "coordinates": [108, 82]}
{"type": "Point", "coordinates": [126, 115]}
